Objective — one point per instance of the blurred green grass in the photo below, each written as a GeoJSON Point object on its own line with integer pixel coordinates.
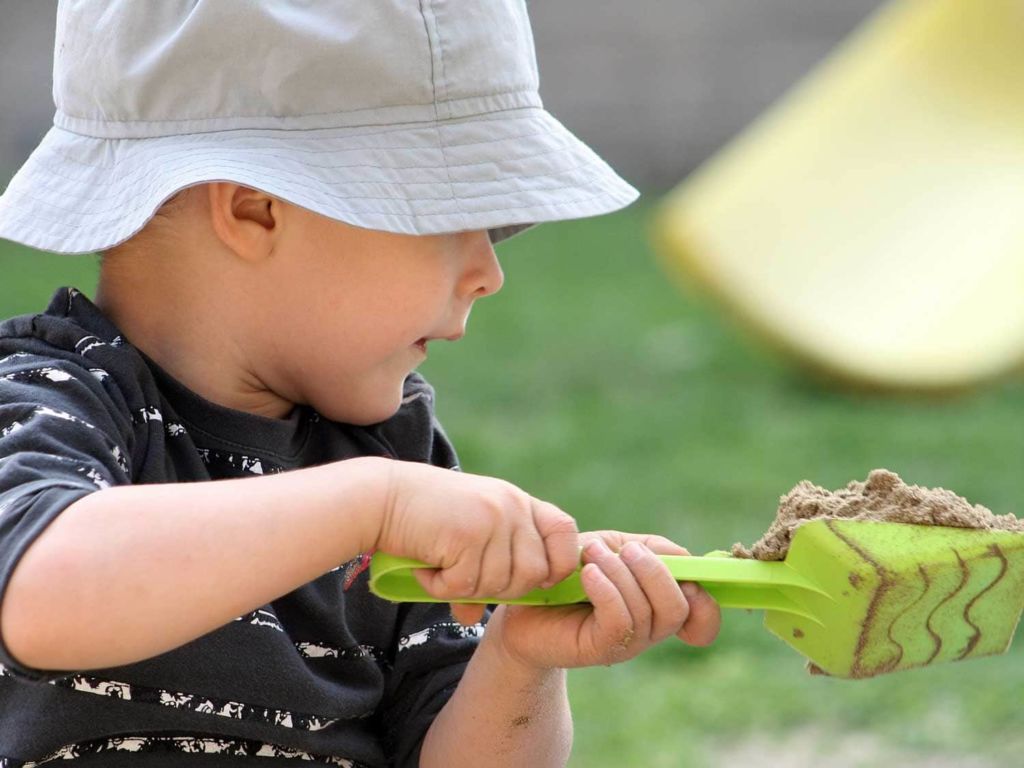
{"type": "Point", "coordinates": [29, 278]}
{"type": "Point", "coordinates": [593, 382]}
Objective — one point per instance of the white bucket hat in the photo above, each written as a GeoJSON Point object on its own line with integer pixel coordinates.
{"type": "Point", "coordinates": [408, 116]}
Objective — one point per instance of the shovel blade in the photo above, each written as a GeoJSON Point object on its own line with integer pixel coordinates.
{"type": "Point", "coordinates": [902, 596]}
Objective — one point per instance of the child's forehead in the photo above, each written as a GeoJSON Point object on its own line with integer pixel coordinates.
{"type": "Point", "coordinates": [216, 64]}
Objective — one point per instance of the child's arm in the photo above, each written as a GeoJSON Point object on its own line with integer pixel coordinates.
{"type": "Point", "coordinates": [511, 707]}
{"type": "Point", "coordinates": [102, 585]}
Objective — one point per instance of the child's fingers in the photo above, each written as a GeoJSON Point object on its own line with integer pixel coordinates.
{"type": "Point", "coordinates": [618, 573]}
{"type": "Point", "coordinates": [530, 567]}
{"type": "Point", "coordinates": [618, 539]}
{"type": "Point", "coordinates": [496, 566]}
{"type": "Point", "coordinates": [561, 539]}
{"type": "Point", "coordinates": [611, 617]}
{"type": "Point", "coordinates": [705, 618]}
{"type": "Point", "coordinates": [460, 579]}
{"type": "Point", "coordinates": [667, 604]}
{"type": "Point", "coordinates": [663, 546]}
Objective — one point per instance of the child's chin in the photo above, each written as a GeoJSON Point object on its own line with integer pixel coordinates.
{"type": "Point", "coordinates": [363, 414]}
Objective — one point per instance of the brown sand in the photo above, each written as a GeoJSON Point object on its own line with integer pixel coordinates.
{"type": "Point", "coordinates": [883, 496]}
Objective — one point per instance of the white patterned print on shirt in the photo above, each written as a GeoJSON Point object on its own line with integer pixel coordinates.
{"type": "Point", "coordinates": [321, 651]}
{"type": "Point", "coordinates": [95, 477]}
{"type": "Point", "coordinates": [250, 465]}
{"type": "Point", "coordinates": [185, 745]}
{"type": "Point", "coordinates": [89, 343]}
{"type": "Point", "coordinates": [10, 429]}
{"type": "Point", "coordinates": [42, 410]}
{"type": "Point", "coordinates": [34, 374]}
{"type": "Point", "coordinates": [146, 415]}
{"type": "Point", "coordinates": [190, 702]}
{"type": "Point", "coordinates": [417, 396]}
{"type": "Point", "coordinates": [262, 618]}
{"type": "Point", "coordinates": [447, 629]}
{"type": "Point", "coordinates": [314, 650]}
{"type": "Point", "coordinates": [119, 457]}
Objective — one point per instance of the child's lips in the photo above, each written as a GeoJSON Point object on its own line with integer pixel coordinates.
{"type": "Point", "coordinates": [421, 345]}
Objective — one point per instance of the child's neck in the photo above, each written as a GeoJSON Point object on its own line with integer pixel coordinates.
{"type": "Point", "coordinates": [189, 324]}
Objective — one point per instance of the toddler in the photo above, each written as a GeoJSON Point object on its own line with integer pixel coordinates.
{"type": "Point", "coordinates": [292, 202]}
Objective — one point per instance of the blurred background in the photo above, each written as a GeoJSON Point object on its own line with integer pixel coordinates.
{"type": "Point", "coordinates": [593, 381]}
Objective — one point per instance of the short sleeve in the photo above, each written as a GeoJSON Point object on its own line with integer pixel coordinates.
{"type": "Point", "coordinates": [62, 437]}
{"type": "Point", "coordinates": [429, 660]}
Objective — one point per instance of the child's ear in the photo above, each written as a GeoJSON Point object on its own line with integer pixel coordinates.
{"type": "Point", "coordinates": [244, 219]}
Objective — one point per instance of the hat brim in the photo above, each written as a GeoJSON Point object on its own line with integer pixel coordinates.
{"type": "Point", "coordinates": [502, 172]}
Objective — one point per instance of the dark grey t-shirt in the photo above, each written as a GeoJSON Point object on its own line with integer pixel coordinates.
{"type": "Point", "coordinates": [327, 674]}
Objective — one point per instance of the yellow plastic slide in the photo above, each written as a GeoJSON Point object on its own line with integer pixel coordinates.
{"type": "Point", "coordinates": [872, 222]}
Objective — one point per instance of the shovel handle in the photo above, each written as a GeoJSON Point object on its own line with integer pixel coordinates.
{"type": "Point", "coordinates": [733, 582]}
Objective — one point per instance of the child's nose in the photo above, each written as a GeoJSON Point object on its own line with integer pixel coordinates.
{"type": "Point", "coordinates": [483, 275]}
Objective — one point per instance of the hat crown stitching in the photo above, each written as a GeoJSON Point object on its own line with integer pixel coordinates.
{"type": "Point", "coordinates": [183, 66]}
{"type": "Point", "coordinates": [331, 106]}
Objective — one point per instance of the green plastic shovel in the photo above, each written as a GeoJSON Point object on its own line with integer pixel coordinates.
{"type": "Point", "coordinates": [857, 598]}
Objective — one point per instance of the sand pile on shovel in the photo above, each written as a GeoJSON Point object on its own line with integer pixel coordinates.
{"type": "Point", "coordinates": [883, 496]}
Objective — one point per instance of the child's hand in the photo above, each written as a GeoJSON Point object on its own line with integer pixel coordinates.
{"type": "Point", "coordinates": [486, 537]}
{"type": "Point", "coordinates": [635, 603]}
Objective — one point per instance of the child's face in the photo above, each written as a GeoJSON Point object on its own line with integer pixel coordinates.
{"type": "Point", "coordinates": [357, 308]}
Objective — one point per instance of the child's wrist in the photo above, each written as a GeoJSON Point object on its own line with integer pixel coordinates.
{"type": "Point", "coordinates": [382, 480]}
{"type": "Point", "coordinates": [493, 645]}
{"type": "Point", "coordinates": [361, 485]}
